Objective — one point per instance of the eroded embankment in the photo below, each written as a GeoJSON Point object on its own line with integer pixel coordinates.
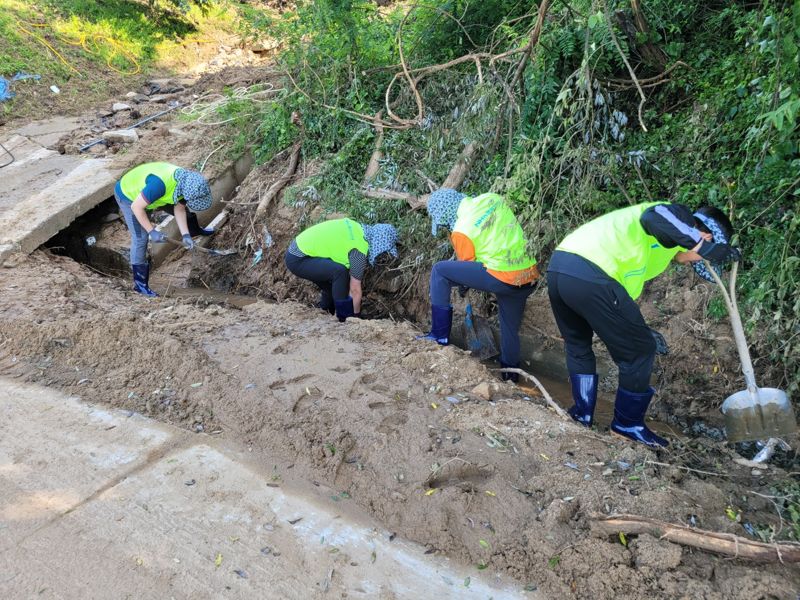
{"type": "Point", "coordinates": [366, 409]}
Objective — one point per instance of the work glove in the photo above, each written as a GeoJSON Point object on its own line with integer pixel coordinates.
{"type": "Point", "coordinates": [719, 254]}
{"type": "Point", "coordinates": [157, 237]}
{"type": "Point", "coordinates": [188, 242]}
{"type": "Point", "coordinates": [661, 343]}
{"type": "Point", "coordinates": [462, 291]}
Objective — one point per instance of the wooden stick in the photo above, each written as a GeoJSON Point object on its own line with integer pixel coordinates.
{"type": "Point", "coordinates": [547, 397]}
{"type": "Point", "coordinates": [710, 541]}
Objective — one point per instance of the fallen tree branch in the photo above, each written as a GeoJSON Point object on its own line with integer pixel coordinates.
{"type": "Point", "coordinates": [710, 541]}
{"type": "Point", "coordinates": [547, 397]}
{"type": "Point", "coordinates": [453, 180]}
{"type": "Point", "coordinates": [458, 173]}
{"type": "Point", "coordinates": [284, 179]}
{"type": "Point", "coordinates": [374, 164]}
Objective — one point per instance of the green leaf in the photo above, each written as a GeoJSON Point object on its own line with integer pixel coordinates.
{"type": "Point", "coordinates": [622, 539]}
{"type": "Point", "coordinates": [483, 543]}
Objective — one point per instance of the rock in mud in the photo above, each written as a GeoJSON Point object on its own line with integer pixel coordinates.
{"type": "Point", "coordinates": [122, 136]}
{"type": "Point", "coordinates": [119, 107]}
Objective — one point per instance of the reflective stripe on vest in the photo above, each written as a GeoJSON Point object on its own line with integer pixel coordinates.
{"type": "Point", "coordinates": [618, 244]}
{"type": "Point", "coordinates": [333, 239]}
{"type": "Point", "coordinates": [494, 231]}
{"type": "Point", "coordinates": [134, 181]}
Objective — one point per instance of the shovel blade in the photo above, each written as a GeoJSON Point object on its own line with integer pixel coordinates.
{"type": "Point", "coordinates": [771, 415]}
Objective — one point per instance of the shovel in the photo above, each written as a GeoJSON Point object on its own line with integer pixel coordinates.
{"type": "Point", "coordinates": [478, 335]}
{"type": "Point", "coordinates": [755, 413]}
{"type": "Point", "coordinates": [211, 251]}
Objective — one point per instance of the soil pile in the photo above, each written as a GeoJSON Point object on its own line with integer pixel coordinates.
{"type": "Point", "coordinates": [423, 437]}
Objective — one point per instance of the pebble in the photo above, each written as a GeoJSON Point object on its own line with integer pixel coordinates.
{"type": "Point", "coordinates": [120, 106]}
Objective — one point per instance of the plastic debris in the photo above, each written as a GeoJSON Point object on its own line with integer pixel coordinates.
{"type": "Point", "coordinates": [218, 560]}
{"type": "Point", "coordinates": [623, 465]}
{"type": "Point", "coordinates": [55, 89]}
{"type": "Point", "coordinates": [258, 256]}
{"type": "Point", "coordinates": [240, 573]}
{"type": "Point", "coordinates": [5, 84]}
{"type": "Point", "coordinates": [571, 465]}
{"type": "Point", "coordinates": [91, 240]}
{"type": "Point", "coordinates": [431, 492]}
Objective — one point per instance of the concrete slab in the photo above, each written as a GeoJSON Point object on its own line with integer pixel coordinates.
{"type": "Point", "coordinates": [56, 452]}
{"type": "Point", "coordinates": [197, 522]}
{"type": "Point", "coordinates": [48, 131]}
{"type": "Point", "coordinates": [42, 192]}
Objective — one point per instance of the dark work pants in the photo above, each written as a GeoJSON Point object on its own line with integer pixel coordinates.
{"type": "Point", "coordinates": [605, 308]}
{"type": "Point", "coordinates": [329, 276]}
{"type": "Point", "coordinates": [510, 299]}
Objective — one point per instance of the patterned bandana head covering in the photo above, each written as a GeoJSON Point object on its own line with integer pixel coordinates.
{"type": "Point", "coordinates": [718, 237]}
{"type": "Point", "coordinates": [193, 188]}
{"type": "Point", "coordinates": [443, 208]}
{"type": "Point", "coordinates": [380, 238]}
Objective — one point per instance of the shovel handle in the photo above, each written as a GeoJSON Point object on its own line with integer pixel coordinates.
{"type": "Point", "coordinates": [736, 324]}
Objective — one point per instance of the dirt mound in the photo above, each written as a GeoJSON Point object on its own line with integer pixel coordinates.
{"type": "Point", "coordinates": [399, 425]}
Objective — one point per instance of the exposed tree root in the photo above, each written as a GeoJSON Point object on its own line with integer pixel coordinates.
{"type": "Point", "coordinates": [710, 541]}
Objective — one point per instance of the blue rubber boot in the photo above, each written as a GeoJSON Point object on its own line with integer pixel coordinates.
{"type": "Point", "coordinates": [141, 278]}
{"type": "Point", "coordinates": [584, 394]}
{"type": "Point", "coordinates": [326, 302]}
{"type": "Point", "coordinates": [629, 411]}
{"type": "Point", "coordinates": [441, 323]}
{"type": "Point", "coordinates": [344, 309]}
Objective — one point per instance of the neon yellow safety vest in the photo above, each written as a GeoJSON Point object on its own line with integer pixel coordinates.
{"type": "Point", "coordinates": [494, 231]}
{"type": "Point", "coordinates": [618, 244]}
{"type": "Point", "coordinates": [333, 239]}
{"type": "Point", "coordinates": [134, 181]}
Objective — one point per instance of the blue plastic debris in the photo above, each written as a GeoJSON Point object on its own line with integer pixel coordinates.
{"type": "Point", "coordinates": [5, 84]}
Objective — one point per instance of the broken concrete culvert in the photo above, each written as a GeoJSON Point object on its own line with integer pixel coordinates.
{"type": "Point", "coordinates": [423, 442]}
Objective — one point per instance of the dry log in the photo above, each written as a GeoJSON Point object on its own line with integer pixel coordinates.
{"type": "Point", "coordinates": [284, 179]}
{"type": "Point", "coordinates": [710, 541]}
{"type": "Point", "coordinates": [374, 164]}
{"type": "Point", "coordinates": [649, 52]}
{"type": "Point", "coordinates": [454, 180]}
{"type": "Point", "coordinates": [461, 167]}
{"type": "Point", "coordinates": [384, 194]}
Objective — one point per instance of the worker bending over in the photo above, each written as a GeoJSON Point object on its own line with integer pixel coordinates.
{"type": "Point", "coordinates": [163, 186]}
{"type": "Point", "coordinates": [491, 256]}
{"type": "Point", "coordinates": [594, 277]}
{"type": "Point", "coordinates": [334, 255]}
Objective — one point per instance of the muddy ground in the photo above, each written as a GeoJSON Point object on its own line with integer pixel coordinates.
{"type": "Point", "coordinates": [422, 437]}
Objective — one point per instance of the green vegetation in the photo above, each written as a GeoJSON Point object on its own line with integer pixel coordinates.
{"type": "Point", "coordinates": [565, 142]}
{"type": "Point", "coordinates": [90, 41]}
